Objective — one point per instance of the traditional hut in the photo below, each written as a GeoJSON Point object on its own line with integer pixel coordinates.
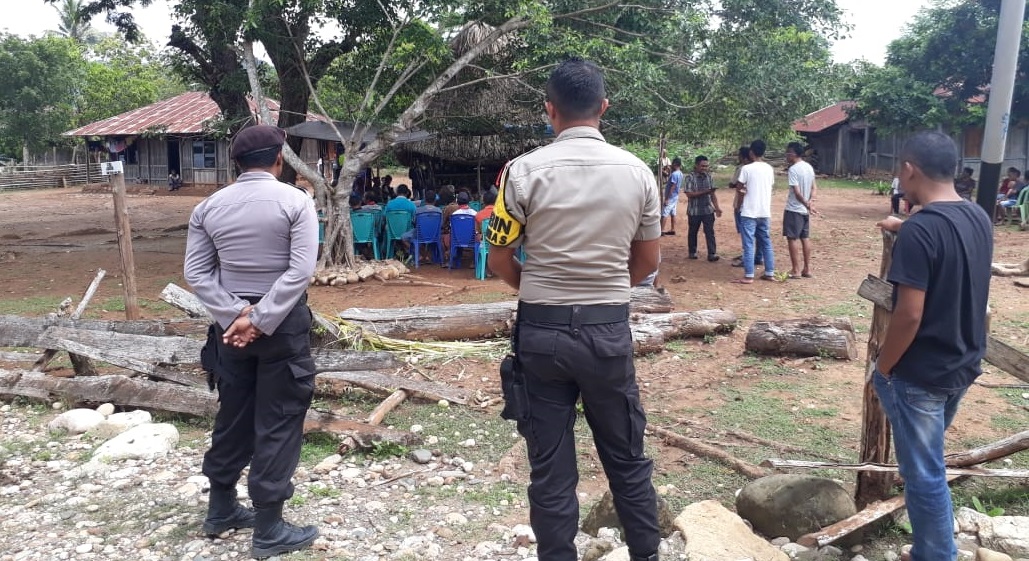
{"type": "Point", "coordinates": [480, 126]}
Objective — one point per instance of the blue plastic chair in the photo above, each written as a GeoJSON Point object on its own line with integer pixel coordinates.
{"type": "Point", "coordinates": [462, 236]}
{"type": "Point", "coordinates": [397, 222]}
{"type": "Point", "coordinates": [427, 232]}
{"type": "Point", "coordinates": [364, 231]}
{"type": "Point", "coordinates": [482, 251]}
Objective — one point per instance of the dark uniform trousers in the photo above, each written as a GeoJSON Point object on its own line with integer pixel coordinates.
{"type": "Point", "coordinates": [565, 352]}
{"type": "Point", "coordinates": [265, 390]}
{"type": "Point", "coordinates": [695, 222]}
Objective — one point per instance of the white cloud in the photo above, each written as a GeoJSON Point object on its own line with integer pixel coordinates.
{"type": "Point", "coordinates": [875, 24]}
{"type": "Point", "coordinates": [36, 17]}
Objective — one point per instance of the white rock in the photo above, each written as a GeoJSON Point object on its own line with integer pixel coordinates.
{"type": "Point", "coordinates": [858, 558]}
{"type": "Point", "coordinates": [1005, 534]}
{"type": "Point", "coordinates": [106, 409]}
{"type": "Point", "coordinates": [443, 403]}
{"type": "Point", "coordinates": [374, 506]}
{"type": "Point", "coordinates": [619, 554]}
{"type": "Point", "coordinates": [467, 443]}
{"type": "Point", "coordinates": [350, 473]}
{"type": "Point", "coordinates": [76, 421]}
{"type": "Point", "coordinates": [467, 467]}
{"type": "Point", "coordinates": [57, 405]}
{"type": "Point", "coordinates": [118, 423]}
{"type": "Point", "coordinates": [524, 530]}
{"type": "Point", "coordinates": [84, 548]}
{"type": "Point", "coordinates": [148, 441]}
{"type": "Point", "coordinates": [781, 541]}
{"type": "Point", "coordinates": [328, 464]}
{"type": "Point", "coordinates": [793, 549]}
{"type": "Point", "coordinates": [456, 519]}
{"type": "Point", "coordinates": [417, 428]}
{"type": "Point", "coordinates": [986, 554]}
{"type": "Point", "coordinates": [891, 556]}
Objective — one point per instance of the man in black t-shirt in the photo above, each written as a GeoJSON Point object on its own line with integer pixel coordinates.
{"type": "Point", "coordinates": [937, 335]}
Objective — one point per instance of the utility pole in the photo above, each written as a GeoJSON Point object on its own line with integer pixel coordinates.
{"type": "Point", "coordinates": [998, 112]}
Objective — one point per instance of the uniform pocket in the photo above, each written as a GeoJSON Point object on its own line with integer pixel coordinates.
{"type": "Point", "coordinates": [612, 345]}
{"type": "Point", "coordinates": [298, 391]}
{"type": "Point", "coordinates": [637, 424]}
{"type": "Point", "coordinates": [536, 340]}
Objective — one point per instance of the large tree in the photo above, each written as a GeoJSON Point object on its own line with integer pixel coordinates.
{"type": "Point", "coordinates": [39, 84]}
{"type": "Point", "coordinates": [939, 71]}
{"type": "Point", "coordinates": [121, 77]}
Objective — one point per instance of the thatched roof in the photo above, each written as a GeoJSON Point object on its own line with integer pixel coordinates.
{"type": "Point", "coordinates": [485, 123]}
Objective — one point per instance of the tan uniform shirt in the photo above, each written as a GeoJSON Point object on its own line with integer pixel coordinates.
{"type": "Point", "coordinates": [575, 206]}
{"type": "Point", "coordinates": [256, 237]}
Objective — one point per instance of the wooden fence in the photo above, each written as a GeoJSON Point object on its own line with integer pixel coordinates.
{"type": "Point", "coordinates": [48, 177]}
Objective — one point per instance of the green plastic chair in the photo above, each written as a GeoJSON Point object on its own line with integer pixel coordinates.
{"type": "Point", "coordinates": [475, 205]}
{"type": "Point", "coordinates": [397, 222]}
{"type": "Point", "coordinates": [1019, 211]}
{"type": "Point", "coordinates": [482, 251]}
{"type": "Point", "coordinates": [364, 231]}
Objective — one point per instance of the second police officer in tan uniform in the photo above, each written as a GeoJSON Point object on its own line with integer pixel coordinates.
{"type": "Point", "coordinates": [587, 215]}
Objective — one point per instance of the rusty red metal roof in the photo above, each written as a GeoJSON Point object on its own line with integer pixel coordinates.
{"type": "Point", "coordinates": [824, 118]}
{"type": "Point", "coordinates": [186, 113]}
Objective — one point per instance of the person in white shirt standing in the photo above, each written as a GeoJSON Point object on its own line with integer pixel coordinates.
{"type": "Point", "coordinates": [796, 219]}
{"type": "Point", "coordinates": [756, 181]}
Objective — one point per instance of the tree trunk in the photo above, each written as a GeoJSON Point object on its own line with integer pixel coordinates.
{"type": "Point", "coordinates": [476, 321]}
{"type": "Point", "coordinates": [651, 332]}
{"type": "Point", "coordinates": [17, 331]}
{"type": "Point", "coordinates": [803, 337]}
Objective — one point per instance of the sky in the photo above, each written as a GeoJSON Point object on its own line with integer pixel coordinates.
{"type": "Point", "coordinates": [875, 23]}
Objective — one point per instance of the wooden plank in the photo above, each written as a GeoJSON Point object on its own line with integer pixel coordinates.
{"type": "Point", "coordinates": [386, 384]}
{"type": "Point", "coordinates": [776, 463]}
{"type": "Point", "coordinates": [328, 360]}
{"type": "Point", "coordinates": [387, 405]}
{"type": "Point", "coordinates": [998, 353]}
{"type": "Point", "coordinates": [131, 363]}
{"type": "Point", "coordinates": [708, 451]}
{"type": "Point", "coordinates": [869, 515]}
{"type": "Point", "coordinates": [185, 300]}
{"type": "Point", "coordinates": [17, 331]}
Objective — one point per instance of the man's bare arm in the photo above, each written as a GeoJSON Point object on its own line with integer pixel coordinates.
{"type": "Point", "coordinates": [644, 257]}
{"type": "Point", "coordinates": [502, 262]}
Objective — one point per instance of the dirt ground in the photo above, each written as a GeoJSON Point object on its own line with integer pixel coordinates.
{"type": "Point", "coordinates": [52, 242]}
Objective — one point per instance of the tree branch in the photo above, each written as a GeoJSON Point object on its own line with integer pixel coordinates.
{"type": "Point", "coordinates": [497, 77]}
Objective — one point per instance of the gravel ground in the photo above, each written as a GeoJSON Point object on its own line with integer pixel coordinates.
{"type": "Point", "coordinates": [58, 505]}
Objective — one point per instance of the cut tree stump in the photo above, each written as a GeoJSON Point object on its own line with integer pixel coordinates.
{"type": "Point", "coordinates": [159, 396]}
{"type": "Point", "coordinates": [469, 321]}
{"type": "Point", "coordinates": [386, 384]}
{"type": "Point", "coordinates": [832, 337]}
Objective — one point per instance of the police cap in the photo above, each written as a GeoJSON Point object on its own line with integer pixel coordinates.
{"type": "Point", "coordinates": [255, 138]}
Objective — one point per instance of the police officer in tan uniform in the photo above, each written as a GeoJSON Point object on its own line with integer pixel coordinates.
{"type": "Point", "coordinates": [588, 217]}
{"type": "Point", "coordinates": [250, 254]}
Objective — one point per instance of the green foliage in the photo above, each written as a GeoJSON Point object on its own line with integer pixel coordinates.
{"type": "Point", "coordinates": [121, 77]}
{"type": "Point", "coordinates": [938, 72]}
{"type": "Point", "coordinates": [39, 80]}
{"type": "Point", "coordinates": [994, 511]}
{"type": "Point", "coordinates": [382, 450]}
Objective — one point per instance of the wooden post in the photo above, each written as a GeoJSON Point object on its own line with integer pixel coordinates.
{"type": "Point", "coordinates": [124, 230]}
{"type": "Point", "coordinates": [875, 427]}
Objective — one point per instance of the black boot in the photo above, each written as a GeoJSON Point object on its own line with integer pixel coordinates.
{"type": "Point", "coordinates": [652, 557]}
{"type": "Point", "coordinates": [224, 513]}
{"type": "Point", "coordinates": [274, 536]}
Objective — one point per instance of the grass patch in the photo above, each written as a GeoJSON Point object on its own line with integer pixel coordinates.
{"type": "Point", "coordinates": [117, 304]}
{"type": "Point", "coordinates": [453, 425]}
{"type": "Point", "coordinates": [316, 447]}
{"type": "Point", "coordinates": [30, 305]}
{"type": "Point", "coordinates": [483, 297]}
{"type": "Point", "coordinates": [765, 366]}
{"type": "Point", "coordinates": [697, 481]}
{"type": "Point", "coordinates": [1011, 497]}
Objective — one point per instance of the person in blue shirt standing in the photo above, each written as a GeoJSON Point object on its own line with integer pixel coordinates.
{"type": "Point", "coordinates": [937, 335]}
{"type": "Point", "coordinates": [672, 188]}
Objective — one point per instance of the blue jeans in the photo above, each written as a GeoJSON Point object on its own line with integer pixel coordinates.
{"type": "Point", "coordinates": [755, 230]}
{"type": "Point", "coordinates": [919, 417]}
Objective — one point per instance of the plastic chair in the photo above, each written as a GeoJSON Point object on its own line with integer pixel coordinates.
{"type": "Point", "coordinates": [397, 222]}
{"type": "Point", "coordinates": [364, 231]}
{"type": "Point", "coordinates": [462, 235]}
{"type": "Point", "coordinates": [482, 251]}
{"type": "Point", "coordinates": [1023, 208]}
{"type": "Point", "coordinates": [427, 232]}
{"type": "Point", "coordinates": [475, 205]}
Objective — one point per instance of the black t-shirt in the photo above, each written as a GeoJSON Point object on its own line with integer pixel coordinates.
{"type": "Point", "coordinates": [946, 250]}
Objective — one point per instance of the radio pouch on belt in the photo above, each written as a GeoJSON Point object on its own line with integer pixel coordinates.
{"type": "Point", "coordinates": [209, 357]}
{"type": "Point", "coordinates": [512, 383]}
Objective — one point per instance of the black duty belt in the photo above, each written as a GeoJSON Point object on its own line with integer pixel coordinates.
{"type": "Point", "coordinates": [573, 315]}
{"type": "Point", "coordinates": [255, 299]}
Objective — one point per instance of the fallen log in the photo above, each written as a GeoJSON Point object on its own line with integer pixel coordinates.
{"type": "Point", "coordinates": [142, 348]}
{"type": "Point", "coordinates": [17, 331]}
{"type": "Point", "coordinates": [703, 449]}
{"type": "Point", "coordinates": [776, 463]}
{"type": "Point", "coordinates": [469, 321]}
{"type": "Point", "coordinates": [832, 337]}
{"type": "Point", "coordinates": [149, 369]}
{"type": "Point", "coordinates": [19, 357]}
{"type": "Point", "coordinates": [158, 396]}
{"type": "Point", "coordinates": [327, 360]}
{"type": "Point", "coordinates": [386, 384]}
{"type": "Point", "coordinates": [1022, 283]}
{"type": "Point", "coordinates": [387, 405]}
{"type": "Point", "coordinates": [1000, 449]}
{"type": "Point", "coordinates": [650, 332]}
{"type": "Point", "coordinates": [1010, 269]}
{"type": "Point", "coordinates": [998, 353]}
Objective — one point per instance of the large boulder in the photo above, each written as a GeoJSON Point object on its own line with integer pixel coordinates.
{"type": "Point", "coordinates": [76, 421]}
{"type": "Point", "coordinates": [715, 533]}
{"type": "Point", "coordinates": [118, 423]}
{"type": "Point", "coordinates": [603, 515]}
{"type": "Point", "coordinates": [793, 505]}
{"type": "Point", "coordinates": [1005, 534]}
{"type": "Point", "coordinates": [143, 442]}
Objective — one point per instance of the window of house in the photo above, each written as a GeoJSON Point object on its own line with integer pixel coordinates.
{"type": "Point", "coordinates": [204, 154]}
